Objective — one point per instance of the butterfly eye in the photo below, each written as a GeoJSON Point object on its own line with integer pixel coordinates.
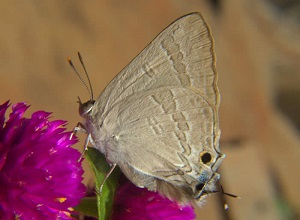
{"type": "Point", "coordinates": [205, 157]}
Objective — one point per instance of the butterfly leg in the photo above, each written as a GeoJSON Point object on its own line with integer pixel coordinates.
{"type": "Point", "coordinates": [106, 177]}
{"type": "Point", "coordinates": [86, 143]}
{"type": "Point", "coordinates": [79, 127]}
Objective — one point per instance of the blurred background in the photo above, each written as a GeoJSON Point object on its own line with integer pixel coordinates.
{"type": "Point", "coordinates": [258, 53]}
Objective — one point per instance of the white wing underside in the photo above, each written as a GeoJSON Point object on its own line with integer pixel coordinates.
{"type": "Point", "coordinates": [157, 116]}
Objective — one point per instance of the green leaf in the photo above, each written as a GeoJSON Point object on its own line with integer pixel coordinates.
{"type": "Point", "coordinates": [88, 207]}
{"type": "Point", "coordinates": [101, 168]}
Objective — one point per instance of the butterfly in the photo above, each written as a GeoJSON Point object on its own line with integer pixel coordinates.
{"type": "Point", "coordinates": [158, 118]}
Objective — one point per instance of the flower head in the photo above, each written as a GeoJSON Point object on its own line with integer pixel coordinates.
{"type": "Point", "coordinates": [40, 177]}
{"type": "Point", "coordinates": [133, 203]}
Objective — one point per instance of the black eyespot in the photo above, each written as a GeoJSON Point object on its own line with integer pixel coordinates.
{"type": "Point", "coordinates": [199, 186]}
{"type": "Point", "coordinates": [206, 158]}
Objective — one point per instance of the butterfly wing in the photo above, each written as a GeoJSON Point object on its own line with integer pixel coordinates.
{"type": "Point", "coordinates": [159, 116]}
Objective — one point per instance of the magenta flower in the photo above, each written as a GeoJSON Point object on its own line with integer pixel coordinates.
{"type": "Point", "coordinates": [133, 203]}
{"type": "Point", "coordinates": [40, 177]}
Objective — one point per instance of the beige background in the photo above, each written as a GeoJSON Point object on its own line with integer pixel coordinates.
{"type": "Point", "coordinates": [258, 53]}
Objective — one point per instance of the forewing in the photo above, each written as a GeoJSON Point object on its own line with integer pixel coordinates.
{"type": "Point", "coordinates": [181, 55]}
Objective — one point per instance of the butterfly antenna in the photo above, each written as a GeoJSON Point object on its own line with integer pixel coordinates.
{"type": "Point", "coordinates": [87, 75]}
{"type": "Point", "coordinates": [81, 79]}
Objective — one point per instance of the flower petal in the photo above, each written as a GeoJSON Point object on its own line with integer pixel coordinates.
{"type": "Point", "coordinates": [40, 176]}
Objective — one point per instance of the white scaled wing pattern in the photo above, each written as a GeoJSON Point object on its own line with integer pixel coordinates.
{"type": "Point", "coordinates": [158, 118]}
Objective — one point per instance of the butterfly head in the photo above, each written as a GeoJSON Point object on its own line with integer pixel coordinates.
{"type": "Point", "coordinates": [86, 107]}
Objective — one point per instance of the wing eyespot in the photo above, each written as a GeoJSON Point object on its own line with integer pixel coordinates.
{"type": "Point", "coordinates": [199, 186]}
{"type": "Point", "coordinates": [206, 158]}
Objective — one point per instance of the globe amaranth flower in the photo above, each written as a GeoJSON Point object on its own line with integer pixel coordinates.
{"type": "Point", "coordinates": [40, 176]}
{"type": "Point", "coordinates": [133, 203]}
